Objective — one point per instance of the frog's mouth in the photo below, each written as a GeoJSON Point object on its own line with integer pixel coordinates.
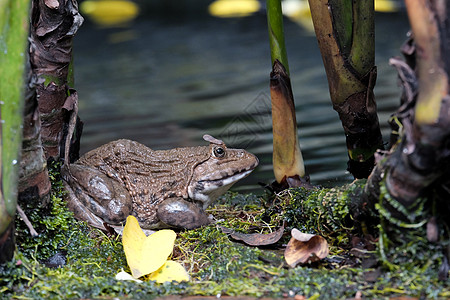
{"type": "Point", "coordinates": [207, 190]}
{"type": "Point", "coordinates": [227, 180]}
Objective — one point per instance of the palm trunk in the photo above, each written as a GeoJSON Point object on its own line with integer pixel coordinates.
{"type": "Point", "coordinates": [34, 183]}
{"type": "Point", "coordinates": [53, 25]}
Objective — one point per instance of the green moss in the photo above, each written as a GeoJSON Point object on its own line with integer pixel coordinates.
{"type": "Point", "coordinates": [216, 263]}
{"type": "Point", "coordinates": [323, 211]}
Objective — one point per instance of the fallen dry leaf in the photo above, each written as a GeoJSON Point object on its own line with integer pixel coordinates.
{"type": "Point", "coordinates": [255, 239]}
{"type": "Point", "coordinates": [304, 247]}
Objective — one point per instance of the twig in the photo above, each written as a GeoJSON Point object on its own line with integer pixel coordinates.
{"type": "Point", "coordinates": [73, 108]}
{"type": "Point", "coordinates": [27, 222]}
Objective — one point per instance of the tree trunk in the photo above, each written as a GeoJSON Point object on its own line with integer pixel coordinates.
{"type": "Point", "coordinates": [53, 25]}
{"type": "Point", "coordinates": [14, 30]}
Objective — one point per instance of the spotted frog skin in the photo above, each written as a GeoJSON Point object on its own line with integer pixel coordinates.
{"type": "Point", "coordinates": [163, 188]}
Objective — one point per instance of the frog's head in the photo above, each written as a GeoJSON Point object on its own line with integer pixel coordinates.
{"type": "Point", "coordinates": [215, 175]}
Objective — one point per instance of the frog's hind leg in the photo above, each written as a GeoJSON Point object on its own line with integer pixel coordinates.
{"type": "Point", "coordinates": [177, 212]}
{"type": "Point", "coordinates": [95, 197]}
{"type": "Point", "coordinates": [80, 211]}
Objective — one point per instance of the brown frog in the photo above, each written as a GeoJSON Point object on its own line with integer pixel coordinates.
{"type": "Point", "coordinates": [163, 188]}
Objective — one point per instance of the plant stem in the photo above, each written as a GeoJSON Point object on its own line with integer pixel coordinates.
{"type": "Point", "coordinates": [345, 33]}
{"type": "Point", "coordinates": [288, 163]}
{"type": "Point", "coordinates": [287, 156]}
{"type": "Point", "coordinates": [14, 30]}
{"type": "Point", "coordinates": [276, 33]}
{"type": "Point", "coordinates": [433, 79]}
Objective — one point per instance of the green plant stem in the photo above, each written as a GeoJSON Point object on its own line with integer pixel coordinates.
{"type": "Point", "coordinates": [13, 38]}
{"type": "Point", "coordinates": [14, 31]}
{"type": "Point", "coordinates": [276, 33]}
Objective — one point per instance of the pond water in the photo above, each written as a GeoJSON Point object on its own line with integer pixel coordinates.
{"type": "Point", "coordinates": [171, 77]}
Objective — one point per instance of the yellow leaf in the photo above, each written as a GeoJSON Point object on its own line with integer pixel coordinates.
{"type": "Point", "coordinates": [122, 275]}
{"type": "Point", "coordinates": [146, 254]}
{"type": "Point", "coordinates": [170, 271]}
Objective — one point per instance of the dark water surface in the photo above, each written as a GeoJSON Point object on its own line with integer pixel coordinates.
{"type": "Point", "coordinates": [166, 81]}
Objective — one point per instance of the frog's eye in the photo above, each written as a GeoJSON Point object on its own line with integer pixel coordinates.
{"type": "Point", "coordinates": [218, 152]}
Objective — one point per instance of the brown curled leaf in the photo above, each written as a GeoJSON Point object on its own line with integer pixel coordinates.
{"type": "Point", "coordinates": [304, 247]}
{"type": "Point", "coordinates": [255, 239]}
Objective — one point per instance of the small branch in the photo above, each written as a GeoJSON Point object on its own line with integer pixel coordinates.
{"type": "Point", "coordinates": [27, 221]}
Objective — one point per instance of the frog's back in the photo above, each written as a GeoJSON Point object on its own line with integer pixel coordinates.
{"type": "Point", "coordinates": [132, 163]}
{"type": "Point", "coordinates": [106, 152]}
{"type": "Point", "coordinates": [131, 157]}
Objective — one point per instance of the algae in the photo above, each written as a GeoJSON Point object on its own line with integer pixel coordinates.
{"type": "Point", "coordinates": [71, 260]}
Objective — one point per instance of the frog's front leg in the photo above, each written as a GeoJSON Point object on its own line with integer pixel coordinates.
{"type": "Point", "coordinates": [95, 197]}
{"type": "Point", "coordinates": [177, 212]}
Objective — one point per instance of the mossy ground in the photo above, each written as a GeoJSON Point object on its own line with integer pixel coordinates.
{"type": "Point", "coordinates": [218, 265]}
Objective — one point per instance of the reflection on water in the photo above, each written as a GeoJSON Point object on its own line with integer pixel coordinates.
{"type": "Point", "coordinates": [166, 81]}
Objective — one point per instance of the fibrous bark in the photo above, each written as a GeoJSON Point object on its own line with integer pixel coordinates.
{"type": "Point", "coordinates": [34, 183]}
{"type": "Point", "coordinates": [53, 25]}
